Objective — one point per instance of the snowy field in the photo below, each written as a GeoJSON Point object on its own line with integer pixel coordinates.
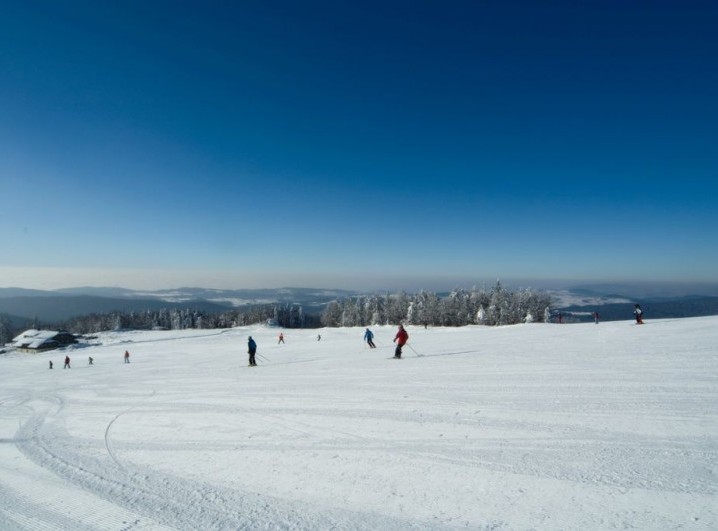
{"type": "Point", "coordinates": [540, 426]}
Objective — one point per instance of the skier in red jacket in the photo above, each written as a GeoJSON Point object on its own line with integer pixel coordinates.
{"type": "Point", "coordinates": [401, 338]}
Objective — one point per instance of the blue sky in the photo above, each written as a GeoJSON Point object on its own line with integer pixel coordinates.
{"type": "Point", "coordinates": [366, 144]}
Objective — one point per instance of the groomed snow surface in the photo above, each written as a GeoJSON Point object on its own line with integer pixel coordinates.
{"type": "Point", "coordinates": [537, 426]}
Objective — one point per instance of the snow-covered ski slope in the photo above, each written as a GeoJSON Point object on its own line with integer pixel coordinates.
{"type": "Point", "coordinates": [540, 426]}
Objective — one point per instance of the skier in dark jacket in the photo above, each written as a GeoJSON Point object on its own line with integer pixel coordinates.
{"type": "Point", "coordinates": [252, 350]}
{"type": "Point", "coordinates": [638, 313]}
{"type": "Point", "coordinates": [67, 363]}
{"type": "Point", "coordinates": [400, 339]}
{"type": "Point", "coordinates": [369, 338]}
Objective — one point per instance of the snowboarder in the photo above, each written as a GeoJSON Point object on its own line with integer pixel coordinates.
{"type": "Point", "coordinates": [67, 363]}
{"type": "Point", "coordinates": [400, 339]}
{"type": "Point", "coordinates": [90, 360]}
{"type": "Point", "coordinates": [595, 317]}
{"type": "Point", "coordinates": [51, 364]}
{"type": "Point", "coordinates": [369, 338]}
{"type": "Point", "coordinates": [251, 350]}
{"type": "Point", "coordinates": [281, 338]}
{"type": "Point", "coordinates": [127, 357]}
{"type": "Point", "coordinates": [638, 313]}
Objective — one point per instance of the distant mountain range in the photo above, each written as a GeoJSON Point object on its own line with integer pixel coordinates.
{"type": "Point", "coordinates": [580, 304]}
{"type": "Point", "coordinates": [23, 306]}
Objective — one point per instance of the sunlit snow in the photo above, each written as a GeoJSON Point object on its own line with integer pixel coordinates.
{"type": "Point", "coordinates": [539, 426]}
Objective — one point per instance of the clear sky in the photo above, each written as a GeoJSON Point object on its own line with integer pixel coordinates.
{"type": "Point", "coordinates": [358, 144]}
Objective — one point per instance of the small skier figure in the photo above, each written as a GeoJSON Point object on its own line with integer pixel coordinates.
{"type": "Point", "coordinates": [51, 364]}
{"type": "Point", "coordinates": [595, 317]}
{"type": "Point", "coordinates": [400, 339]}
{"type": "Point", "coordinates": [560, 318]}
{"type": "Point", "coordinates": [638, 313]}
{"type": "Point", "coordinates": [369, 338]}
{"type": "Point", "coordinates": [90, 360]}
{"type": "Point", "coordinates": [319, 337]}
{"type": "Point", "coordinates": [281, 338]}
{"type": "Point", "coordinates": [127, 357]}
{"type": "Point", "coordinates": [251, 350]}
{"type": "Point", "coordinates": [67, 363]}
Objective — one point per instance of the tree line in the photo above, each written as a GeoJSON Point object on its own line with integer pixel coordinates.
{"type": "Point", "coordinates": [497, 306]}
{"type": "Point", "coordinates": [285, 316]}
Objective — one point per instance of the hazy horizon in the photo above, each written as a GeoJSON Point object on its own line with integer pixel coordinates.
{"type": "Point", "coordinates": [47, 279]}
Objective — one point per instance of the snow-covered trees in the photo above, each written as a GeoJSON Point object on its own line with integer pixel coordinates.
{"type": "Point", "coordinates": [498, 306]}
{"type": "Point", "coordinates": [287, 316]}
{"type": "Point", "coordinates": [397, 307]}
{"type": "Point", "coordinates": [6, 330]}
{"type": "Point", "coordinates": [332, 316]}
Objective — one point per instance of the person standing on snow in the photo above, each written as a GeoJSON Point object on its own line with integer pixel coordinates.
{"type": "Point", "coordinates": [251, 350]}
{"type": "Point", "coordinates": [595, 317]}
{"type": "Point", "coordinates": [51, 364]}
{"type": "Point", "coordinates": [127, 357]}
{"type": "Point", "coordinates": [400, 339]}
{"type": "Point", "coordinates": [638, 313]}
{"type": "Point", "coordinates": [369, 338]}
{"type": "Point", "coordinates": [281, 338]}
{"type": "Point", "coordinates": [67, 363]}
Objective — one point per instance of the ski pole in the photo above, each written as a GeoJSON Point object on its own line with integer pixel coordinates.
{"type": "Point", "coordinates": [415, 352]}
{"type": "Point", "coordinates": [264, 358]}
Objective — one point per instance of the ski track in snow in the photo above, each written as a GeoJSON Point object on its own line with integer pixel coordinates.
{"type": "Point", "coordinates": [169, 500]}
{"type": "Point", "coordinates": [536, 426]}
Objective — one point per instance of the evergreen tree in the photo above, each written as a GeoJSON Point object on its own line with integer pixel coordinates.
{"type": "Point", "coordinates": [332, 315]}
{"type": "Point", "coordinates": [7, 332]}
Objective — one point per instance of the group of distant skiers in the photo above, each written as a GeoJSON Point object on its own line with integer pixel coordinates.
{"type": "Point", "coordinates": [90, 361]}
{"type": "Point", "coordinates": [402, 336]}
{"type": "Point", "coordinates": [400, 339]}
{"type": "Point", "coordinates": [67, 363]}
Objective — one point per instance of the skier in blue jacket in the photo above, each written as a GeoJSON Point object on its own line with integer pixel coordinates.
{"type": "Point", "coordinates": [369, 338]}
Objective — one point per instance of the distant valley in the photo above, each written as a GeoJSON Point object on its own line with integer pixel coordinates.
{"type": "Point", "coordinates": [23, 306]}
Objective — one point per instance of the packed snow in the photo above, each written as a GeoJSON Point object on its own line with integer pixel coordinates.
{"type": "Point", "coordinates": [535, 426]}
